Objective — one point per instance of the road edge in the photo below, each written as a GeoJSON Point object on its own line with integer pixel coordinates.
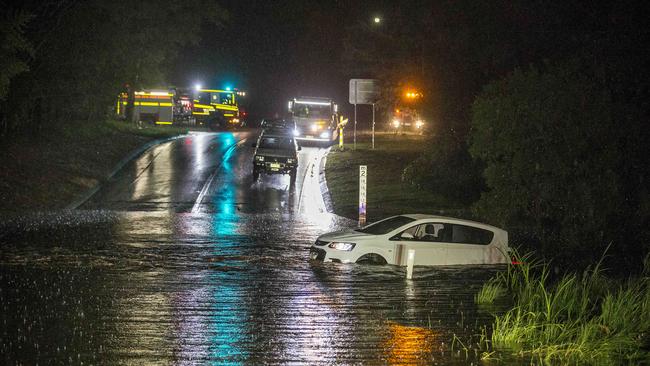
{"type": "Point", "coordinates": [85, 196]}
{"type": "Point", "coordinates": [322, 182]}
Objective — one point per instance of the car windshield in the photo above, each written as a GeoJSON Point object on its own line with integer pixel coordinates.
{"type": "Point", "coordinates": [311, 110]}
{"type": "Point", "coordinates": [282, 143]}
{"type": "Point", "coordinates": [385, 226]}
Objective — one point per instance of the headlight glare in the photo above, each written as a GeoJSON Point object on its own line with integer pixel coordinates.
{"type": "Point", "coordinates": [342, 246]}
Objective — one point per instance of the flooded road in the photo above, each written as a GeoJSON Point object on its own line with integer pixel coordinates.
{"type": "Point", "coordinates": [182, 259]}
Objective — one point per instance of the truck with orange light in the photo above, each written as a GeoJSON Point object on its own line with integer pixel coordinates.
{"type": "Point", "coordinates": [316, 119]}
{"type": "Point", "coordinates": [406, 120]}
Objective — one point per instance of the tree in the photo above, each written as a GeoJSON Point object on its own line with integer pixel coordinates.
{"type": "Point", "coordinates": [14, 48]}
{"type": "Point", "coordinates": [84, 52]}
{"type": "Point", "coordinates": [549, 141]}
{"type": "Point", "coordinates": [14, 51]}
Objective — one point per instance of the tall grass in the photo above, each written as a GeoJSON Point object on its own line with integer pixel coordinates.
{"type": "Point", "coordinates": [578, 318]}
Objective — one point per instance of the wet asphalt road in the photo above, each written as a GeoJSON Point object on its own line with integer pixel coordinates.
{"type": "Point", "coordinates": [182, 259]}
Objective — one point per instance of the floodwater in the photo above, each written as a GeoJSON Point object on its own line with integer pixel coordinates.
{"type": "Point", "coordinates": [182, 259]}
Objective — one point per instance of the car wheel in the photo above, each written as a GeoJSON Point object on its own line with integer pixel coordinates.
{"type": "Point", "coordinates": [372, 258]}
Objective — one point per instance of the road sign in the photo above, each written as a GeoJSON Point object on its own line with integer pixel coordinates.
{"type": "Point", "coordinates": [363, 176]}
{"type": "Point", "coordinates": [364, 91]}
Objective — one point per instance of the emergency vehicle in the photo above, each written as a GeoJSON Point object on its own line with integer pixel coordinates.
{"type": "Point", "coordinates": [153, 106]}
{"type": "Point", "coordinates": [216, 108]}
{"type": "Point", "coordinates": [406, 116]}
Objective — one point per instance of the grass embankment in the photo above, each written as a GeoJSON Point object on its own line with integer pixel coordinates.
{"type": "Point", "coordinates": [49, 171]}
{"type": "Point", "coordinates": [386, 193]}
{"type": "Point", "coordinates": [575, 319]}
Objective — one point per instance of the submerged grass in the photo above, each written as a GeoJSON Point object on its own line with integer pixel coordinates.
{"type": "Point", "coordinates": [584, 318]}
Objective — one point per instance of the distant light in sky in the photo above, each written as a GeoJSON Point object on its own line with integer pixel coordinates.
{"type": "Point", "coordinates": [377, 20]}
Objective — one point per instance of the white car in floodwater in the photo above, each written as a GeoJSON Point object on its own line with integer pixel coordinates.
{"type": "Point", "coordinates": [437, 240]}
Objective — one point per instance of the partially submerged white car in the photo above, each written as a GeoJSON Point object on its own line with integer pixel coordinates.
{"type": "Point", "coordinates": [437, 240]}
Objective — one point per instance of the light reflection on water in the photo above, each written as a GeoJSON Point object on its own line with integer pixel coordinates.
{"type": "Point", "coordinates": [229, 285]}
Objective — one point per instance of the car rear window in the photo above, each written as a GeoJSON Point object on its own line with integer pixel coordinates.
{"type": "Point", "coordinates": [385, 226]}
{"type": "Point", "coordinates": [276, 143]}
{"type": "Point", "coordinates": [471, 235]}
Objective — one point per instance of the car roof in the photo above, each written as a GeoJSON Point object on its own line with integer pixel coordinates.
{"type": "Point", "coordinates": [454, 219]}
{"type": "Point", "coordinates": [276, 133]}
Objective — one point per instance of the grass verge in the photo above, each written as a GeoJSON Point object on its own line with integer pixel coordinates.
{"type": "Point", "coordinates": [387, 194]}
{"type": "Point", "coordinates": [576, 319]}
{"type": "Point", "coordinates": [49, 171]}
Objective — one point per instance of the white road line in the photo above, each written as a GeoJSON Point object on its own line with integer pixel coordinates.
{"type": "Point", "coordinates": [208, 183]}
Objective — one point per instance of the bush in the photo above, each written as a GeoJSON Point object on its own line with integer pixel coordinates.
{"type": "Point", "coordinates": [549, 142]}
{"type": "Point", "coordinates": [446, 168]}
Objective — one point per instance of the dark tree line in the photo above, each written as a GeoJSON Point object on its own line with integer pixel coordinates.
{"type": "Point", "coordinates": [65, 60]}
{"type": "Point", "coordinates": [539, 112]}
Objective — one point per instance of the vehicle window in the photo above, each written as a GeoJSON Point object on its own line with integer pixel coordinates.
{"type": "Point", "coordinates": [226, 98]}
{"type": "Point", "coordinates": [385, 226]}
{"type": "Point", "coordinates": [471, 235]}
{"type": "Point", "coordinates": [435, 232]}
{"type": "Point", "coordinates": [204, 98]}
{"type": "Point", "coordinates": [311, 111]}
{"type": "Point", "coordinates": [276, 143]}
{"type": "Point", "coordinates": [413, 230]}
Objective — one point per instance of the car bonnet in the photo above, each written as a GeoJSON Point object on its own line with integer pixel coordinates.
{"type": "Point", "coordinates": [344, 235]}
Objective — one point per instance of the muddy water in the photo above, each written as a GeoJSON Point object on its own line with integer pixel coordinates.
{"type": "Point", "coordinates": [218, 276]}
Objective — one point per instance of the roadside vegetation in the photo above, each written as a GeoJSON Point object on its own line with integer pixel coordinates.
{"type": "Point", "coordinates": [387, 193]}
{"type": "Point", "coordinates": [585, 318]}
{"type": "Point", "coordinates": [49, 172]}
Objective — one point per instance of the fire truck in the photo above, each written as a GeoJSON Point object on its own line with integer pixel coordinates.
{"type": "Point", "coordinates": [316, 119]}
{"type": "Point", "coordinates": [216, 108]}
{"type": "Point", "coordinates": [153, 106]}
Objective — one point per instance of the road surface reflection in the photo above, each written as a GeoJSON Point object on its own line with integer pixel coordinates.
{"type": "Point", "coordinates": [182, 259]}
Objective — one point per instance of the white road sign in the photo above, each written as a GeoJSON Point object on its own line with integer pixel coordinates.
{"type": "Point", "coordinates": [364, 91]}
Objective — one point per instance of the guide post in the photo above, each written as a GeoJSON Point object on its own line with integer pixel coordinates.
{"type": "Point", "coordinates": [363, 176]}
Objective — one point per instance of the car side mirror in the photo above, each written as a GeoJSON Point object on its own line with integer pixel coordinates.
{"type": "Point", "coordinates": [254, 144]}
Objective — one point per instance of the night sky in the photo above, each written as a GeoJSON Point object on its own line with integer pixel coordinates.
{"type": "Point", "coordinates": [276, 50]}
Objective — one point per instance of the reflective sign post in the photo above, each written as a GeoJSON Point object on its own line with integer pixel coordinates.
{"type": "Point", "coordinates": [363, 176]}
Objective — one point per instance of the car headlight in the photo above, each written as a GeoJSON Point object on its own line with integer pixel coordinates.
{"type": "Point", "coordinates": [342, 246]}
{"type": "Point", "coordinates": [259, 158]}
{"type": "Point", "coordinates": [395, 123]}
{"type": "Point", "coordinates": [419, 124]}
{"type": "Point", "coordinates": [325, 135]}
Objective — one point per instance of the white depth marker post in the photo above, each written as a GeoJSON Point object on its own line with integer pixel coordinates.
{"type": "Point", "coordinates": [373, 126]}
{"type": "Point", "coordinates": [363, 176]}
{"type": "Point", "coordinates": [410, 260]}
